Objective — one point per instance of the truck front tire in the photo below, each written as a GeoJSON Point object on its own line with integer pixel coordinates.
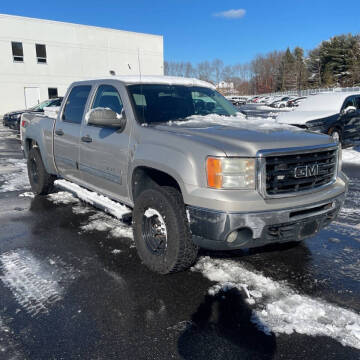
{"type": "Point", "coordinates": [41, 181]}
{"type": "Point", "coordinates": [161, 231]}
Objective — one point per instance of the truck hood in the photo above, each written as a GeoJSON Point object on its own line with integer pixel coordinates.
{"type": "Point", "coordinates": [237, 136]}
{"type": "Point", "coordinates": [302, 117]}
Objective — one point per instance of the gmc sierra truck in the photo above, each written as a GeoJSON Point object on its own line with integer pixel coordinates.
{"type": "Point", "coordinates": [194, 171]}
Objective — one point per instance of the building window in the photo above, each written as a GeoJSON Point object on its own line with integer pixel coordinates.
{"type": "Point", "coordinates": [17, 51]}
{"type": "Point", "coordinates": [53, 93]}
{"type": "Point", "coordinates": [41, 53]}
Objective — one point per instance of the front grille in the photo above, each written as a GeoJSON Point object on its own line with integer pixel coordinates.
{"type": "Point", "coordinates": [293, 173]}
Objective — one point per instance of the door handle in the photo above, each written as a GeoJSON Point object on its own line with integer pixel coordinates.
{"type": "Point", "coordinates": [86, 139]}
{"type": "Point", "coordinates": [59, 132]}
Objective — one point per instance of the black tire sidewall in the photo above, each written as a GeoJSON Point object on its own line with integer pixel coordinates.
{"type": "Point", "coordinates": [156, 199]}
{"type": "Point", "coordinates": [39, 187]}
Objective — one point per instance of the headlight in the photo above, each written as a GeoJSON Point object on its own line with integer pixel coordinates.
{"type": "Point", "coordinates": [230, 173]}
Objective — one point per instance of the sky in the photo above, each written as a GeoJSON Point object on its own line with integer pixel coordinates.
{"type": "Point", "coordinates": [199, 30]}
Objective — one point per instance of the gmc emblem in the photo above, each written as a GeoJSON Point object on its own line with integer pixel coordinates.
{"type": "Point", "coordinates": [306, 171]}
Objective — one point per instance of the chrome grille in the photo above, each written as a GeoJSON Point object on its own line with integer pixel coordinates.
{"type": "Point", "coordinates": [290, 174]}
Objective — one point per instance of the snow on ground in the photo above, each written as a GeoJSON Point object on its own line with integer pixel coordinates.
{"type": "Point", "coordinates": [36, 284]}
{"type": "Point", "coordinates": [103, 222]}
{"type": "Point", "coordinates": [9, 348]}
{"type": "Point", "coordinates": [351, 155]}
{"type": "Point", "coordinates": [63, 197]}
{"type": "Point", "coordinates": [279, 308]}
{"type": "Point", "coordinates": [28, 194]}
{"type": "Point", "coordinates": [13, 175]}
{"type": "Point", "coordinates": [95, 199]}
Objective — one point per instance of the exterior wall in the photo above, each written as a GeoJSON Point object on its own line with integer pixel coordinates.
{"type": "Point", "coordinates": [74, 52]}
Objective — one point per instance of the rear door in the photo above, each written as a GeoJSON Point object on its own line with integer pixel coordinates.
{"type": "Point", "coordinates": [67, 132]}
{"type": "Point", "coordinates": [104, 151]}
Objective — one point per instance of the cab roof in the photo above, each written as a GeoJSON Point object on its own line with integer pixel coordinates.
{"type": "Point", "coordinates": [150, 79]}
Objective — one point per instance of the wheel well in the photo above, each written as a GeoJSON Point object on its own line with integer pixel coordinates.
{"type": "Point", "coordinates": [334, 128]}
{"type": "Point", "coordinates": [30, 143]}
{"type": "Point", "coordinates": [144, 178]}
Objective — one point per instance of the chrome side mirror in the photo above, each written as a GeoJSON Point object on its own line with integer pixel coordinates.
{"type": "Point", "coordinates": [106, 117]}
{"type": "Point", "coordinates": [349, 109]}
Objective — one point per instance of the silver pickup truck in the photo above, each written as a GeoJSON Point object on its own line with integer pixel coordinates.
{"type": "Point", "coordinates": [195, 172]}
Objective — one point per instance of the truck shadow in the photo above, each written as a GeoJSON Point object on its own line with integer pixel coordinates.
{"type": "Point", "coordinates": [224, 327]}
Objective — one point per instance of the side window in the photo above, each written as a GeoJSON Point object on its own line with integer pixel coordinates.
{"type": "Point", "coordinates": [357, 102]}
{"type": "Point", "coordinates": [75, 104]}
{"type": "Point", "coordinates": [108, 97]}
{"type": "Point", "coordinates": [348, 102]}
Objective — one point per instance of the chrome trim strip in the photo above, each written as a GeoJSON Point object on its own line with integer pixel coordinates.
{"type": "Point", "coordinates": [296, 150]}
{"type": "Point", "coordinates": [261, 166]}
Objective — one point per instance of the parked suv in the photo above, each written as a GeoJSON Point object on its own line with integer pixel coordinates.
{"type": "Point", "coordinates": [195, 172]}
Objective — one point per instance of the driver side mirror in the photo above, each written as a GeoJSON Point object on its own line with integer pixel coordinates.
{"type": "Point", "coordinates": [349, 109]}
{"type": "Point", "coordinates": [106, 117]}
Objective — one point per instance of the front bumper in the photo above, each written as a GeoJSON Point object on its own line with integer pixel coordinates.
{"type": "Point", "coordinates": [210, 229]}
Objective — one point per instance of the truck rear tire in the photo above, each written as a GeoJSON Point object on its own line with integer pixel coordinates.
{"type": "Point", "coordinates": [161, 231]}
{"type": "Point", "coordinates": [41, 181]}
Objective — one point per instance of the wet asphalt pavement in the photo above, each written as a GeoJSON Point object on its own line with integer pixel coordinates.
{"type": "Point", "coordinates": [70, 290]}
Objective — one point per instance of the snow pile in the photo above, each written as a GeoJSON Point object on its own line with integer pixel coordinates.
{"type": "Point", "coordinates": [280, 309]}
{"type": "Point", "coordinates": [238, 121]}
{"type": "Point", "coordinates": [103, 222]}
{"type": "Point", "coordinates": [35, 284]}
{"type": "Point", "coordinates": [27, 194]}
{"type": "Point", "coordinates": [95, 199]}
{"type": "Point", "coordinates": [80, 209]}
{"type": "Point", "coordinates": [351, 155]}
{"type": "Point", "coordinates": [13, 175]}
{"type": "Point", "coordinates": [63, 197]}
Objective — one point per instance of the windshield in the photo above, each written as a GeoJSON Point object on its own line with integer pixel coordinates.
{"type": "Point", "coordinates": [163, 103]}
{"type": "Point", "coordinates": [46, 103]}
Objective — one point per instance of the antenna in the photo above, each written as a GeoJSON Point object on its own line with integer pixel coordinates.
{"type": "Point", "coordinates": [139, 63]}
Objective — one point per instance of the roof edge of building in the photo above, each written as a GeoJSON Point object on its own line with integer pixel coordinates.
{"type": "Point", "coordinates": [27, 18]}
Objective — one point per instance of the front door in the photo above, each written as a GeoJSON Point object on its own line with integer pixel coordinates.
{"type": "Point", "coordinates": [32, 96]}
{"type": "Point", "coordinates": [104, 150]}
{"type": "Point", "coordinates": [67, 133]}
{"type": "Point", "coordinates": [351, 121]}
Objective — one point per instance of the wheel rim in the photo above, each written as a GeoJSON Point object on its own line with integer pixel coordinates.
{"type": "Point", "coordinates": [34, 171]}
{"type": "Point", "coordinates": [154, 231]}
{"type": "Point", "coordinates": [336, 136]}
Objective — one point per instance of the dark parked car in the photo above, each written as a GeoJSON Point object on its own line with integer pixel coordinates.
{"type": "Point", "coordinates": [335, 114]}
{"type": "Point", "coordinates": [12, 119]}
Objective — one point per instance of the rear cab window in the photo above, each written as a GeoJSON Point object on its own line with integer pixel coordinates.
{"type": "Point", "coordinates": [75, 104]}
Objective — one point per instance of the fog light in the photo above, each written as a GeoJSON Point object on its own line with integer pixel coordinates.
{"type": "Point", "coordinates": [232, 237]}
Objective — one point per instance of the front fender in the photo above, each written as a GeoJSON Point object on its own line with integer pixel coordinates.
{"type": "Point", "coordinates": [170, 161]}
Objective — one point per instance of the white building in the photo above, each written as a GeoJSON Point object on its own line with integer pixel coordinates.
{"type": "Point", "coordinates": [40, 58]}
{"type": "Point", "coordinates": [225, 85]}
